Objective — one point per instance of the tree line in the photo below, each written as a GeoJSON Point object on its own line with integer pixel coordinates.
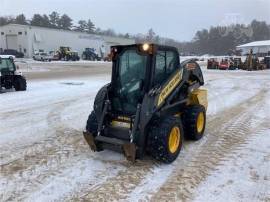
{"type": "Point", "coordinates": [53, 20]}
{"type": "Point", "coordinates": [217, 40]}
{"type": "Point", "coordinates": [223, 39]}
{"type": "Point", "coordinates": [58, 21]}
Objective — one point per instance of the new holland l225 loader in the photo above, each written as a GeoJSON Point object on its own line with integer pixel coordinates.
{"type": "Point", "coordinates": [150, 105]}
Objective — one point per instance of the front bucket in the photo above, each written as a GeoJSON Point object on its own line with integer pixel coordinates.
{"type": "Point", "coordinates": [128, 148]}
{"type": "Point", "coordinates": [90, 140]}
{"type": "Point", "coordinates": [130, 151]}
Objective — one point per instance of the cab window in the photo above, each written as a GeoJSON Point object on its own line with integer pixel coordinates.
{"type": "Point", "coordinates": [166, 64]}
{"type": "Point", "coordinates": [6, 64]}
{"type": "Point", "coordinates": [130, 76]}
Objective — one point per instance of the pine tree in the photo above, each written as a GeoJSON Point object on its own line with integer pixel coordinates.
{"type": "Point", "coordinates": [150, 35]}
{"type": "Point", "coordinates": [82, 26]}
{"type": "Point", "coordinates": [54, 19]}
{"type": "Point", "coordinates": [90, 26]}
{"type": "Point", "coordinates": [21, 19]}
{"type": "Point", "coordinates": [4, 21]}
{"type": "Point", "coordinates": [37, 20]}
{"type": "Point", "coordinates": [65, 22]}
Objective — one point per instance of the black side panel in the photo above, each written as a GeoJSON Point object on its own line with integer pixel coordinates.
{"type": "Point", "coordinates": [192, 71]}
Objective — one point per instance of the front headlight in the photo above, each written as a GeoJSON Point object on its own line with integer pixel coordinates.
{"type": "Point", "coordinates": [145, 47]}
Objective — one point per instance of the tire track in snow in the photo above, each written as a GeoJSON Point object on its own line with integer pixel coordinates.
{"type": "Point", "coordinates": [117, 187]}
{"type": "Point", "coordinates": [37, 147]}
{"type": "Point", "coordinates": [14, 145]}
{"type": "Point", "coordinates": [44, 158]}
{"type": "Point", "coordinates": [59, 155]}
{"type": "Point", "coordinates": [223, 143]}
{"type": "Point", "coordinates": [148, 188]}
{"type": "Point", "coordinates": [120, 186]}
{"type": "Point", "coordinates": [116, 181]}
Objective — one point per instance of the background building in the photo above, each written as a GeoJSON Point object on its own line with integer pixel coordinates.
{"type": "Point", "coordinates": [259, 47]}
{"type": "Point", "coordinates": [30, 39]}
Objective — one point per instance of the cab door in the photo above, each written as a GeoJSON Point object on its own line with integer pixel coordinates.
{"type": "Point", "coordinates": [166, 63]}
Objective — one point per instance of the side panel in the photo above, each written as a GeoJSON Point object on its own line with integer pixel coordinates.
{"type": "Point", "coordinates": [192, 71]}
{"type": "Point", "coordinates": [169, 87]}
{"type": "Point", "coordinates": [189, 73]}
{"type": "Point", "coordinates": [198, 96]}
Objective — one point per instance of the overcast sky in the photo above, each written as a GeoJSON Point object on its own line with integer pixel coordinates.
{"type": "Point", "coordinates": [178, 19]}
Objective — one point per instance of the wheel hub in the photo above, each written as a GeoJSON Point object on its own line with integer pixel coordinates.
{"type": "Point", "coordinates": [174, 139]}
{"type": "Point", "coordinates": [200, 122]}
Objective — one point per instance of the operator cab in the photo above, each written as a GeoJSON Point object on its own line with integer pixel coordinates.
{"type": "Point", "coordinates": [7, 65]}
{"type": "Point", "coordinates": [136, 70]}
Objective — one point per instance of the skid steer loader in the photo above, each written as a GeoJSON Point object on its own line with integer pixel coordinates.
{"type": "Point", "coordinates": [150, 105]}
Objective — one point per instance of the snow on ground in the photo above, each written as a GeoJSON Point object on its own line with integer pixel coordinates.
{"type": "Point", "coordinates": [43, 156]}
{"type": "Point", "coordinates": [30, 65]}
{"type": "Point", "coordinates": [74, 177]}
{"type": "Point", "coordinates": [31, 61]}
{"type": "Point", "coordinates": [246, 175]}
{"type": "Point", "coordinates": [247, 179]}
{"type": "Point", "coordinates": [230, 90]}
{"type": "Point", "coordinates": [40, 96]}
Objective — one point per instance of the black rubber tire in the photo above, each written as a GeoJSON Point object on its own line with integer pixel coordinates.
{"type": "Point", "coordinates": [99, 100]}
{"type": "Point", "coordinates": [92, 127]}
{"type": "Point", "coordinates": [20, 83]}
{"type": "Point", "coordinates": [158, 139]}
{"type": "Point", "coordinates": [92, 124]}
{"type": "Point", "coordinates": [189, 118]}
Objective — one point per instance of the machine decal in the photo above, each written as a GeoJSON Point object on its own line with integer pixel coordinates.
{"type": "Point", "coordinates": [124, 118]}
{"type": "Point", "coordinates": [120, 124]}
{"type": "Point", "coordinates": [170, 87]}
{"type": "Point", "coordinates": [191, 66]}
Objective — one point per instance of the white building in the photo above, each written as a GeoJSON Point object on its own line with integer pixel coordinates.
{"type": "Point", "coordinates": [258, 47]}
{"type": "Point", "coordinates": [28, 39]}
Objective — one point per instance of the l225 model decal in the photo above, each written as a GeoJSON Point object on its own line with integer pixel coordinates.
{"type": "Point", "coordinates": [169, 87]}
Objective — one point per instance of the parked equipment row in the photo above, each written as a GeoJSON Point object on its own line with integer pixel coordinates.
{"type": "Point", "coordinates": [252, 62]}
{"type": "Point", "coordinates": [67, 54]}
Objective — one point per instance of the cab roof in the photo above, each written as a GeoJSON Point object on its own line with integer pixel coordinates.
{"type": "Point", "coordinates": [7, 56]}
{"type": "Point", "coordinates": [157, 46]}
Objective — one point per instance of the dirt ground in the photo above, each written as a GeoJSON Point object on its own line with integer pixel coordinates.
{"type": "Point", "coordinates": [43, 156]}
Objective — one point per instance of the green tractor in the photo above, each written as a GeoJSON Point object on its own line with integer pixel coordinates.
{"type": "Point", "coordinates": [150, 105]}
{"type": "Point", "coordinates": [10, 77]}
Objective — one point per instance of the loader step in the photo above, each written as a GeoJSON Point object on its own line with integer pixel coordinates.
{"type": "Point", "coordinates": [110, 140]}
{"type": "Point", "coordinates": [117, 132]}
